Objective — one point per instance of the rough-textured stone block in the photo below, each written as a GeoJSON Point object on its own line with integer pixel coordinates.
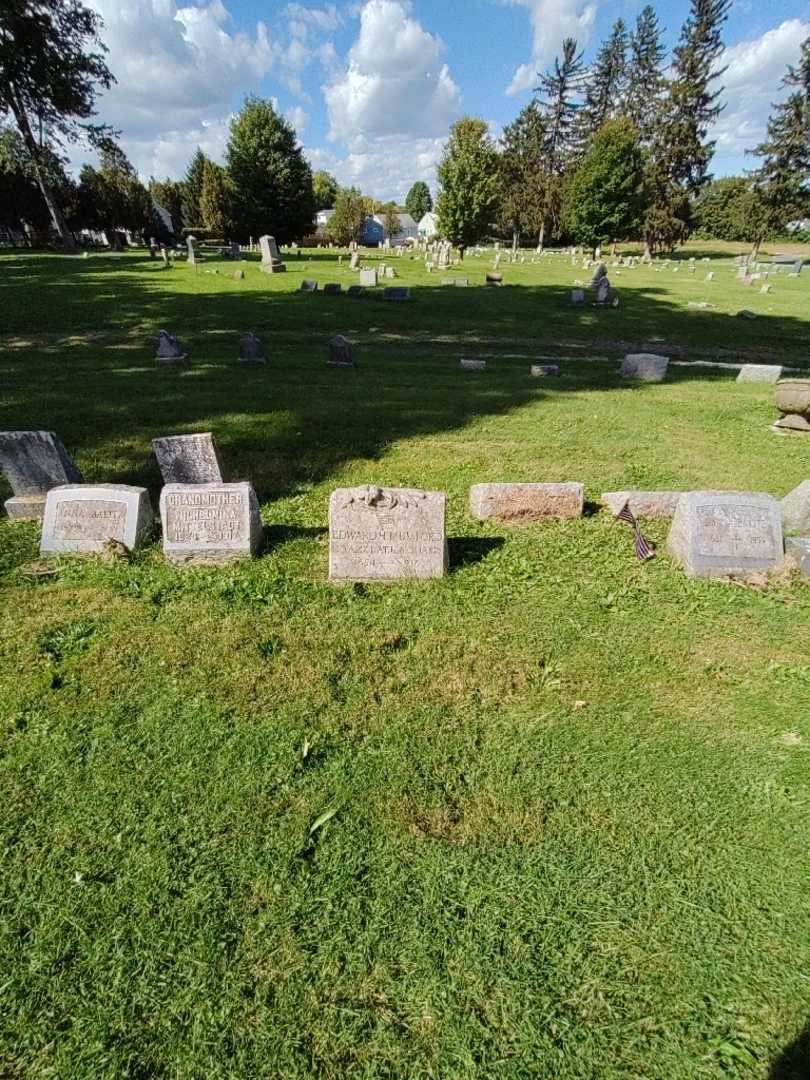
{"type": "Point", "coordinates": [643, 504]}
{"type": "Point", "coordinates": [83, 518]}
{"type": "Point", "coordinates": [518, 503]}
{"type": "Point", "coordinates": [382, 534]}
{"type": "Point", "coordinates": [210, 523]}
{"type": "Point", "coordinates": [799, 548]}
{"type": "Point", "coordinates": [188, 459]}
{"type": "Point", "coordinates": [540, 371]}
{"type": "Point", "coordinates": [763, 373]}
{"type": "Point", "coordinates": [796, 510]}
{"type": "Point", "coordinates": [720, 533]}
{"type": "Point", "coordinates": [647, 367]}
{"type": "Point", "coordinates": [472, 365]}
{"type": "Point", "coordinates": [34, 462]}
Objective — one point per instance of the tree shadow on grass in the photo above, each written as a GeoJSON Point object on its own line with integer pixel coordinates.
{"type": "Point", "coordinates": [794, 1062]}
{"type": "Point", "coordinates": [466, 551]}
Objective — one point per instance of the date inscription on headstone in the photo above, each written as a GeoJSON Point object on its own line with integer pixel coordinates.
{"type": "Point", "coordinates": [90, 519]}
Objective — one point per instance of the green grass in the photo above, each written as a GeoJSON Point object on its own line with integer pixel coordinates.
{"type": "Point", "coordinates": [570, 832]}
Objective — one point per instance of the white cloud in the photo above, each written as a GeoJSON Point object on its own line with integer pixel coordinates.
{"type": "Point", "coordinates": [298, 117]}
{"type": "Point", "coordinates": [325, 20]}
{"type": "Point", "coordinates": [552, 21]}
{"type": "Point", "coordinates": [755, 70]}
{"type": "Point", "coordinates": [178, 69]}
{"type": "Point", "coordinates": [394, 84]}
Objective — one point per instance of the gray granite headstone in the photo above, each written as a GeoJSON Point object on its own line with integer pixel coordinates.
{"type": "Point", "coordinates": [472, 365]}
{"type": "Point", "coordinates": [251, 351]}
{"type": "Point", "coordinates": [796, 510]}
{"type": "Point", "coordinates": [577, 296]}
{"type": "Point", "coordinates": [368, 277]}
{"type": "Point", "coordinates": [799, 548]}
{"type": "Point", "coordinates": [188, 459]}
{"type": "Point", "coordinates": [193, 254]}
{"type": "Point", "coordinates": [333, 288]}
{"type": "Point", "coordinates": [383, 534]}
{"type": "Point", "coordinates": [210, 523]}
{"type": "Point", "coordinates": [168, 350]}
{"type": "Point", "coordinates": [83, 518]}
{"type": "Point", "coordinates": [354, 290]}
{"type": "Point", "coordinates": [647, 367]}
{"type": "Point", "coordinates": [722, 533]}
{"type": "Point", "coordinates": [762, 373]}
{"type": "Point", "coordinates": [397, 293]}
{"type": "Point", "coordinates": [517, 503]}
{"type": "Point", "coordinates": [34, 462]}
{"type": "Point", "coordinates": [354, 261]}
{"type": "Point", "coordinates": [271, 259]}
{"type": "Point", "coordinates": [340, 352]}
{"type": "Point", "coordinates": [309, 286]}
{"type": "Point", "coordinates": [539, 371]}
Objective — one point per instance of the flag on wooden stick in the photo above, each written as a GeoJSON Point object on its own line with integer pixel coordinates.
{"type": "Point", "coordinates": [644, 549]}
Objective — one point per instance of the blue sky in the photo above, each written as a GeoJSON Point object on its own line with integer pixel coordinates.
{"type": "Point", "coordinates": [372, 86]}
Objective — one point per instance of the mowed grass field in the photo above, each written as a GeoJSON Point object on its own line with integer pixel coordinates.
{"type": "Point", "coordinates": [546, 817]}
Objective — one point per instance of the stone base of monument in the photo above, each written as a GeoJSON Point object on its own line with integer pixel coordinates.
{"type": "Point", "coordinates": [25, 507]}
{"type": "Point", "coordinates": [84, 518]}
{"type": "Point", "coordinates": [273, 268]}
{"type": "Point", "coordinates": [718, 534]}
{"type": "Point", "coordinates": [791, 424]}
{"type": "Point", "coordinates": [525, 503]}
{"type": "Point", "coordinates": [210, 523]}
{"type": "Point", "coordinates": [387, 534]}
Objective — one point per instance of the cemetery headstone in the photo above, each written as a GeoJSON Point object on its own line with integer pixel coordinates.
{"type": "Point", "coordinates": [34, 462]}
{"type": "Point", "coordinates": [647, 367]}
{"type": "Point", "coordinates": [796, 510]}
{"type": "Point", "coordinates": [193, 253]}
{"type": "Point", "coordinates": [577, 296]}
{"type": "Point", "coordinates": [251, 352]}
{"type": "Point", "coordinates": [799, 548]}
{"type": "Point", "coordinates": [397, 292]}
{"type": "Point", "coordinates": [765, 289]}
{"type": "Point", "coordinates": [164, 256]}
{"type": "Point", "coordinates": [354, 290]}
{"type": "Point", "coordinates": [333, 289]}
{"type": "Point", "coordinates": [385, 534]}
{"type": "Point", "coordinates": [340, 352]}
{"type": "Point", "coordinates": [725, 533]}
{"type": "Point", "coordinates": [210, 523]}
{"type": "Point", "coordinates": [368, 278]}
{"type": "Point", "coordinates": [188, 459]}
{"type": "Point", "coordinates": [797, 268]}
{"type": "Point", "coordinates": [85, 518]}
{"type": "Point", "coordinates": [762, 373]}
{"type": "Point", "coordinates": [539, 371]}
{"type": "Point", "coordinates": [239, 275]}
{"type": "Point", "coordinates": [271, 259]}
{"type": "Point", "coordinates": [472, 365]}
{"type": "Point", "coordinates": [354, 261]}
{"type": "Point", "coordinates": [643, 504]}
{"type": "Point", "coordinates": [168, 350]}
{"type": "Point", "coordinates": [518, 503]}
{"type": "Point", "coordinates": [309, 286]}
{"type": "Point", "coordinates": [494, 279]}
{"type": "Point", "coordinates": [390, 272]}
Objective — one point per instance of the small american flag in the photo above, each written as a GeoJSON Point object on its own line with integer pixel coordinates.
{"type": "Point", "coordinates": [644, 549]}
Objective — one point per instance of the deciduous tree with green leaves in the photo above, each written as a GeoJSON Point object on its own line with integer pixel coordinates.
{"type": "Point", "coordinates": [390, 219]}
{"type": "Point", "coordinates": [324, 189]}
{"type": "Point", "coordinates": [112, 197]}
{"type": "Point", "coordinates": [349, 217]}
{"type": "Point", "coordinates": [272, 182]}
{"type": "Point", "coordinates": [169, 194]}
{"type": "Point", "coordinates": [468, 175]}
{"type": "Point", "coordinates": [419, 201]}
{"type": "Point", "coordinates": [51, 68]}
{"type": "Point", "coordinates": [605, 200]}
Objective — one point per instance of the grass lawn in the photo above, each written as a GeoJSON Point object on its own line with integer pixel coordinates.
{"type": "Point", "coordinates": [569, 793]}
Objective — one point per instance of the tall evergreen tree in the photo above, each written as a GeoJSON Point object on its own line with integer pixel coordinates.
{"type": "Point", "coordinates": [558, 95]}
{"type": "Point", "coordinates": [468, 175]}
{"type": "Point", "coordinates": [192, 191]}
{"type": "Point", "coordinates": [169, 194]}
{"type": "Point", "coordinates": [214, 199]}
{"type": "Point", "coordinates": [604, 84]}
{"type": "Point", "coordinates": [272, 182]}
{"type": "Point", "coordinates": [112, 197]}
{"type": "Point", "coordinates": [51, 65]}
{"type": "Point", "coordinates": [784, 176]}
{"type": "Point", "coordinates": [645, 80]}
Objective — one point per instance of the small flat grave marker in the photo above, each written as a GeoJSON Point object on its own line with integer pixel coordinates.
{"type": "Point", "coordinates": [210, 523]}
{"type": "Point", "coordinates": [647, 367]}
{"type": "Point", "coordinates": [188, 459]}
{"type": "Point", "coordinates": [761, 373]}
{"type": "Point", "coordinates": [332, 289]}
{"type": "Point", "coordinates": [517, 503]}
{"type": "Point", "coordinates": [308, 286]}
{"type": "Point", "coordinates": [385, 534]}
{"type": "Point", "coordinates": [643, 504]}
{"type": "Point", "coordinates": [84, 518]}
{"type": "Point", "coordinates": [540, 371]}
{"type": "Point", "coordinates": [723, 533]}
{"type": "Point", "coordinates": [472, 365]}
{"type": "Point", "coordinates": [397, 293]}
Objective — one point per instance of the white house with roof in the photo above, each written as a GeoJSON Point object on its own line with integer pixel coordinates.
{"type": "Point", "coordinates": [428, 226]}
{"type": "Point", "coordinates": [375, 230]}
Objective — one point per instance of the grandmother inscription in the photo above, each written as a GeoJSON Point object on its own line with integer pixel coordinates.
{"type": "Point", "coordinates": [382, 534]}
{"type": "Point", "coordinates": [210, 523]}
{"type": "Point", "coordinates": [721, 533]}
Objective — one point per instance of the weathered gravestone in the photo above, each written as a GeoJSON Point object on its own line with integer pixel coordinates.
{"type": "Point", "coordinates": [354, 290]}
{"type": "Point", "coordinates": [193, 253]}
{"type": "Point", "coordinates": [796, 510]}
{"type": "Point", "coordinates": [643, 504]}
{"type": "Point", "coordinates": [354, 261]}
{"type": "Point", "coordinates": [34, 462]}
{"type": "Point", "coordinates": [368, 277]}
{"type": "Point", "coordinates": [397, 293]}
{"type": "Point", "coordinates": [271, 259]}
{"type": "Point", "coordinates": [722, 533]}
{"type": "Point", "coordinates": [168, 350]}
{"type": "Point", "coordinates": [86, 518]}
{"type": "Point", "coordinates": [164, 256]}
{"type": "Point", "coordinates": [309, 286]}
{"type": "Point", "coordinates": [799, 548]}
{"type": "Point", "coordinates": [210, 523]}
{"type": "Point", "coordinates": [761, 373]}
{"type": "Point", "coordinates": [540, 371]}
{"type": "Point", "coordinates": [333, 289]}
{"type": "Point", "coordinates": [647, 367]}
{"type": "Point", "coordinates": [188, 459]}
{"type": "Point", "coordinates": [797, 268]}
{"type": "Point", "coordinates": [577, 296]}
{"type": "Point", "coordinates": [494, 279]}
{"type": "Point", "coordinates": [251, 352]}
{"type": "Point", "coordinates": [390, 272]}
{"type": "Point", "coordinates": [238, 275]}
{"type": "Point", "coordinates": [517, 503]}
{"type": "Point", "coordinates": [382, 534]}
{"type": "Point", "coordinates": [472, 365]}
{"type": "Point", "coordinates": [340, 352]}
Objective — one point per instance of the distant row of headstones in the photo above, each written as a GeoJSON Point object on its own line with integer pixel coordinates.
{"type": "Point", "coordinates": [375, 534]}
